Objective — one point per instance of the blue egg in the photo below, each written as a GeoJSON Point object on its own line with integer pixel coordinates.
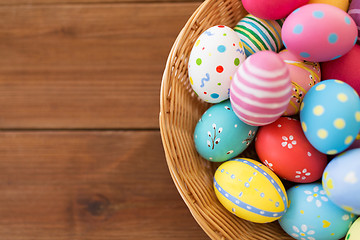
{"type": "Point", "coordinates": [312, 216]}
{"type": "Point", "coordinates": [220, 135]}
{"type": "Point", "coordinates": [330, 116]}
{"type": "Point", "coordinates": [341, 180]}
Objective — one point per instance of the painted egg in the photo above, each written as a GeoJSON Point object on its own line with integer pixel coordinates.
{"type": "Point", "coordinates": [319, 32]}
{"type": "Point", "coordinates": [341, 180]}
{"type": "Point", "coordinates": [312, 216]}
{"type": "Point", "coordinates": [250, 190]}
{"type": "Point", "coordinates": [261, 89]}
{"type": "Point", "coordinates": [354, 231]}
{"type": "Point", "coordinates": [303, 76]}
{"type": "Point", "coordinates": [274, 9]}
{"type": "Point", "coordinates": [220, 135]}
{"type": "Point", "coordinates": [342, 4]}
{"type": "Point", "coordinates": [354, 12]}
{"type": "Point", "coordinates": [283, 147]}
{"type": "Point", "coordinates": [330, 116]}
{"type": "Point", "coordinates": [257, 34]}
{"type": "Point", "coordinates": [214, 58]}
{"type": "Point", "coordinates": [345, 68]}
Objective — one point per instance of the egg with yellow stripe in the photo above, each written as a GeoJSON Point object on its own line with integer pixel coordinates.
{"type": "Point", "coordinates": [250, 190]}
{"type": "Point", "coordinates": [258, 34]}
{"type": "Point", "coordinates": [303, 75]}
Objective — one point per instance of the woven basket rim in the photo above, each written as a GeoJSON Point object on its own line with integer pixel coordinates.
{"type": "Point", "coordinates": [199, 213]}
{"type": "Point", "coordinates": [163, 125]}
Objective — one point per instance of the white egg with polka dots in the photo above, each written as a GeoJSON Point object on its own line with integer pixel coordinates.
{"type": "Point", "coordinates": [330, 116]}
{"type": "Point", "coordinates": [214, 58]}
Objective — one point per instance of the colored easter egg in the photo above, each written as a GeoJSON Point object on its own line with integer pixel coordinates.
{"type": "Point", "coordinates": [342, 4]}
{"type": "Point", "coordinates": [258, 34]}
{"type": "Point", "coordinates": [283, 147]}
{"type": "Point", "coordinates": [274, 9]}
{"type": "Point", "coordinates": [330, 116]}
{"type": "Point", "coordinates": [261, 89]}
{"type": "Point", "coordinates": [341, 180]}
{"type": "Point", "coordinates": [220, 135]}
{"type": "Point", "coordinates": [354, 231]}
{"type": "Point", "coordinates": [319, 32]}
{"type": "Point", "coordinates": [312, 216]}
{"type": "Point", "coordinates": [354, 12]}
{"type": "Point", "coordinates": [345, 68]}
{"type": "Point", "coordinates": [303, 75]}
{"type": "Point", "coordinates": [214, 58]}
{"type": "Point", "coordinates": [250, 190]}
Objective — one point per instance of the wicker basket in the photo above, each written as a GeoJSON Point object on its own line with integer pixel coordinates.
{"type": "Point", "coordinates": [180, 110]}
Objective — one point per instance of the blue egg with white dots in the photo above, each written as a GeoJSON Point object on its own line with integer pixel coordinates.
{"type": "Point", "coordinates": [313, 216]}
{"type": "Point", "coordinates": [330, 116]}
{"type": "Point", "coordinates": [220, 135]}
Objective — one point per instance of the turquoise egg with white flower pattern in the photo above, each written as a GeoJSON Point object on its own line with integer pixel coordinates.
{"type": "Point", "coordinates": [220, 135]}
{"type": "Point", "coordinates": [312, 216]}
{"type": "Point", "coordinates": [330, 116]}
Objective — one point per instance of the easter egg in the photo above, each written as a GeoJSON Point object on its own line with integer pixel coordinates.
{"type": "Point", "coordinates": [261, 89]}
{"type": "Point", "coordinates": [341, 180]}
{"type": "Point", "coordinates": [342, 4]}
{"type": "Point", "coordinates": [319, 32]}
{"type": "Point", "coordinates": [354, 12]}
{"type": "Point", "coordinates": [274, 9]}
{"type": "Point", "coordinates": [311, 215]}
{"type": "Point", "coordinates": [257, 34]}
{"type": "Point", "coordinates": [220, 135]}
{"type": "Point", "coordinates": [303, 76]}
{"type": "Point", "coordinates": [250, 190]}
{"type": "Point", "coordinates": [283, 147]}
{"type": "Point", "coordinates": [345, 68]}
{"type": "Point", "coordinates": [354, 231]}
{"type": "Point", "coordinates": [214, 58]}
{"type": "Point", "coordinates": [330, 116]}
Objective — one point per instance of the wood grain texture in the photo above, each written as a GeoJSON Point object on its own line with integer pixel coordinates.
{"type": "Point", "coordinates": [54, 2]}
{"type": "Point", "coordinates": [85, 65]}
{"type": "Point", "coordinates": [89, 185]}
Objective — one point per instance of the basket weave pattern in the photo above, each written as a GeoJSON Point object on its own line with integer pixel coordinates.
{"type": "Point", "coordinates": [180, 109]}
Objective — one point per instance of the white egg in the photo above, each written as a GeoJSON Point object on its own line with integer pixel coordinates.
{"type": "Point", "coordinates": [215, 57]}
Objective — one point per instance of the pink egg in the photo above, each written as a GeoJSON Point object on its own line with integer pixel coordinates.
{"type": "Point", "coordinates": [354, 12]}
{"type": "Point", "coordinates": [319, 32]}
{"type": "Point", "coordinates": [303, 76]}
{"type": "Point", "coordinates": [261, 89]}
{"type": "Point", "coordinates": [273, 9]}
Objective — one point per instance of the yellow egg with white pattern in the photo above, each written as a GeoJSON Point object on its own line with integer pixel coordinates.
{"type": "Point", "coordinates": [250, 190]}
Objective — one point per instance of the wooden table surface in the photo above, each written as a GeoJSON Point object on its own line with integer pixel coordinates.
{"type": "Point", "coordinates": [80, 148]}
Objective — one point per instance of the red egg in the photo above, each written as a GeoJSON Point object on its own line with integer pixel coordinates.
{"type": "Point", "coordinates": [283, 147]}
{"type": "Point", "coordinates": [345, 68]}
{"type": "Point", "coordinates": [274, 9]}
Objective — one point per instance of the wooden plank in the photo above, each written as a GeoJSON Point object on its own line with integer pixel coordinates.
{"type": "Point", "coordinates": [85, 66]}
{"type": "Point", "coordinates": [53, 2]}
{"type": "Point", "coordinates": [89, 185]}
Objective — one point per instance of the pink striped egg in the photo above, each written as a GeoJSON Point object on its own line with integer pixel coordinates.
{"type": "Point", "coordinates": [261, 89]}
